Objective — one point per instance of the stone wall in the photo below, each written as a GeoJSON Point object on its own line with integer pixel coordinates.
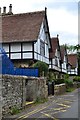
{"type": "Point", "coordinates": [75, 85]}
{"type": "Point", "coordinates": [13, 92]}
{"type": "Point", "coordinates": [0, 97]}
{"type": "Point", "coordinates": [36, 88]}
{"type": "Point", "coordinates": [17, 89]}
{"type": "Point", "coordinates": [59, 89]}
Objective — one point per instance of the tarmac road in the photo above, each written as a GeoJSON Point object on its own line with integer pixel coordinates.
{"type": "Point", "coordinates": [57, 108]}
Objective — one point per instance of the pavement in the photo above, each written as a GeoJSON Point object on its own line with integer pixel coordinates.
{"type": "Point", "coordinates": [59, 107]}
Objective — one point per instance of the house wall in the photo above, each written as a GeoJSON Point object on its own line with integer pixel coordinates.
{"type": "Point", "coordinates": [64, 65]}
{"type": "Point", "coordinates": [73, 71]}
{"type": "Point", "coordinates": [19, 50]}
{"type": "Point", "coordinates": [37, 53]}
{"type": "Point", "coordinates": [55, 64]}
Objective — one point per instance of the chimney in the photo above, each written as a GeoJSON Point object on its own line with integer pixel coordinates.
{"type": "Point", "coordinates": [10, 9]}
{"type": "Point", "coordinates": [0, 10]}
{"type": "Point", "coordinates": [57, 35]}
{"type": "Point", "coordinates": [4, 10]}
{"type": "Point", "coordinates": [46, 9]}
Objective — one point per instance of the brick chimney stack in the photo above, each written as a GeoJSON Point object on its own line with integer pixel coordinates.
{"type": "Point", "coordinates": [4, 10]}
{"type": "Point", "coordinates": [57, 36]}
{"type": "Point", "coordinates": [0, 10]}
{"type": "Point", "coordinates": [10, 9]}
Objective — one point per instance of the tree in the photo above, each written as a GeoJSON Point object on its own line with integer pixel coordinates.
{"type": "Point", "coordinates": [42, 67]}
{"type": "Point", "coordinates": [71, 48]}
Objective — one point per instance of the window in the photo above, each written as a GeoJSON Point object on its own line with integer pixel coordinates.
{"type": "Point", "coordinates": [56, 62]}
{"type": "Point", "coordinates": [42, 48]}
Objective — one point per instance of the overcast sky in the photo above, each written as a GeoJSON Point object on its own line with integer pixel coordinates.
{"type": "Point", "coordinates": [62, 16]}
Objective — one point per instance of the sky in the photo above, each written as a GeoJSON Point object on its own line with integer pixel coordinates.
{"type": "Point", "coordinates": [62, 16]}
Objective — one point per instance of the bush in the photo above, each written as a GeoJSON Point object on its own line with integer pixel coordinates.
{"type": "Point", "coordinates": [59, 81]}
{"type": "Point", "coordinates": [51, 76]}
{"type": "Point", "coordinates": [66, 77]}
{"type": "Point", "coordinates": [69, 83]}
{"type": "Point", "coordinates": [42, 67]}
{"type": "Point", "coordinates": [77, 79]}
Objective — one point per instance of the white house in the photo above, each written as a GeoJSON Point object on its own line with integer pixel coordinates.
{"type": "Point", "coordinates": [64, 59]}
{"type": "Point", "coordinates": [55, 56]}
{"type": "Point", "coordinates": [26, 36]}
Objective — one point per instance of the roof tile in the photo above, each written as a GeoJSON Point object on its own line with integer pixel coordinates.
{"type": "Point", "coordinates": [22, 27]}
{"type": "Point", "coordinates": [55, 45]}
{"type": "Point", "coordinates": [72, 59]}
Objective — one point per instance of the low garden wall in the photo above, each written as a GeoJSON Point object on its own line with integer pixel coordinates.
{"type": "Point", "coordinates": [13, 92]}
{"type": "Point", "coordinates": [0, 98]}
{"type": "Point", "coordinates": [59, 89]}
{"type": "Point", "coordinates": [36, 88]}
{"type": "Point", "coordinates": [17, 89]}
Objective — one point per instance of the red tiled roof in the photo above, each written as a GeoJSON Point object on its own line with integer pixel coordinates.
{"type": "Point", "coordinates": [21, 27]}
{"type": "Point", "coordinates": [72, 59]}
{"type": "Point", "coordinates": [63, 52]}
{"type": "Point", "coordinates": [55, 45]}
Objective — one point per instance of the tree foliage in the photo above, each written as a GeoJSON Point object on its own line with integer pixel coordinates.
{"type": "Point", "coordinates": [42, 67]}
{"type": "Point", "coordinates": [71, 48]}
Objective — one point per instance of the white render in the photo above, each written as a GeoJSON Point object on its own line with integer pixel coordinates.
{"type": "Point", "coordinates": [15, 55]}
{"type": "Point", "coordinates": [27, 47]}
{"type": "Point", "coordinates": [56, 58]}
{"type": "Point", "coordinates": [43, 37]}
{"type": "Point", "coordinates": [15, 47]}
{"type": "Point", "coordinates": [27, 55]}
{"type": "Point", "coordinates": [6, 47]}
{"type": "Point", "coordinates": [64, 65]}
{"type": "Point", "coordinates": [73, 71]}
{"type": "Point", "coordinates": [15, 50]}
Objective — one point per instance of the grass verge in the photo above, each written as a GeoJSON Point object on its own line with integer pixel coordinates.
{"type": "Point", "coordinates": [70, 89]}
{"type": "Point", "coordinates": [14, 111]}
{"type": "Point", "coordinates": [39, 101]}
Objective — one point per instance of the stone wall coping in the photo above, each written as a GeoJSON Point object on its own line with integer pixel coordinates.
{"type": "Point", "coordinates": [0, 76]}
{"type": "Point", "coordinates": [36, 78]}
{"type": "Point", "coordinates": [60, 85]}
{"type": "Point", "coordinates": [15, 76]}
{"type": "Point", "coordinates": [23, 77]}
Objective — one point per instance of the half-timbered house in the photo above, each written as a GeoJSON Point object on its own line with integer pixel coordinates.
{"type": "Point", "coordinates": [26, 37]}
{"type": "Point", "coordinates": [55, 56]}
{"type": "Point", "coordinates": [73, 61]}
{"type": "Point", "coordinates": [64, 59]}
